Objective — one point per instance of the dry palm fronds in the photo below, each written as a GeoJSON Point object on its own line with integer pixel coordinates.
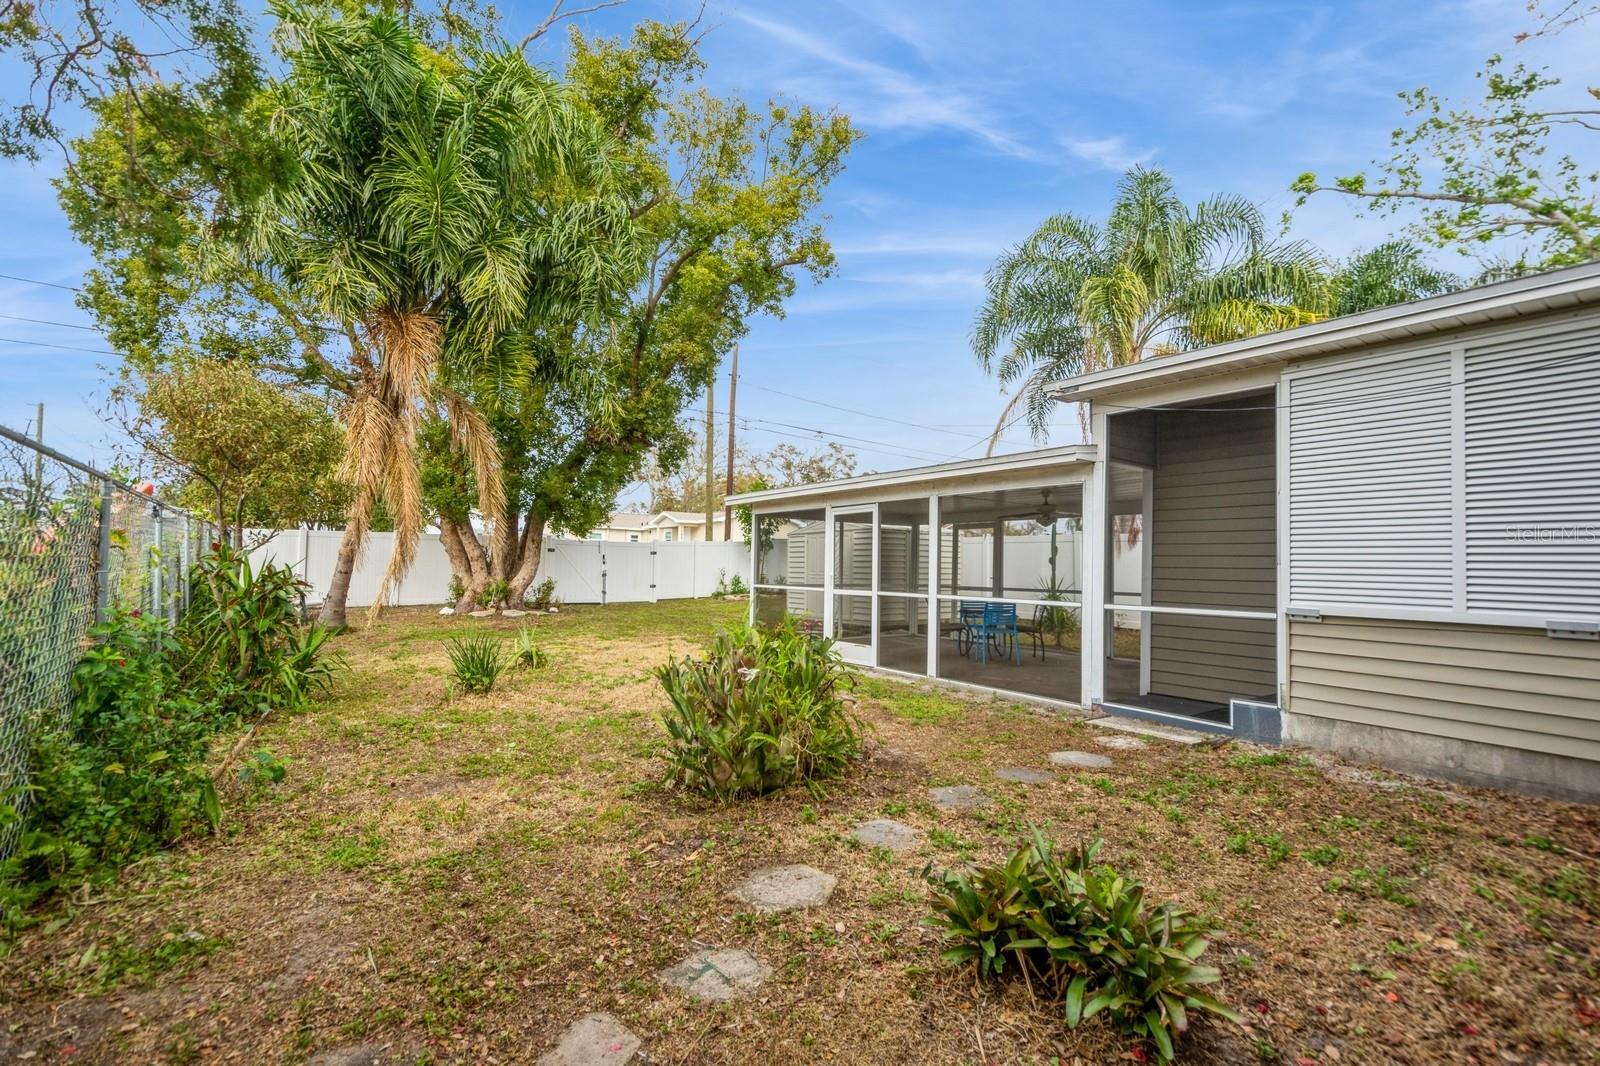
{"type": "Point", "coordinates": [471, 435]}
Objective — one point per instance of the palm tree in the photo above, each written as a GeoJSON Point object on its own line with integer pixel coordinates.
{"type": "Point", "coordinates": [1157, 277]}
{"type": "Point", "coordinates": [442, 205]}
{"type": "Point", "coordinates": [1394, 272]}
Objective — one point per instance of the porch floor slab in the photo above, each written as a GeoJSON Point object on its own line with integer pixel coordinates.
{"type": "Point", "coordinates": [1151, 729]}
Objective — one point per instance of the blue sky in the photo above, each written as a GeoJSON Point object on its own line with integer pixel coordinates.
{"type": "Point", "coordinates": [980, 120]}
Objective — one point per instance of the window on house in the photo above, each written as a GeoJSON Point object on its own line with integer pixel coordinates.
{"type": "Point", "coordinates": [633, 538]}
{"type": "Point", "coordinates": [597, 534]}
{"type": "Point", "coordinates": [666, 536]}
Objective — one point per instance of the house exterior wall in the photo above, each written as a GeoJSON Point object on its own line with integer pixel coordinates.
{"type": "Point", "coordinates": [1486, 704]}
{"type": "Point", "coordinates": [1212, 544]}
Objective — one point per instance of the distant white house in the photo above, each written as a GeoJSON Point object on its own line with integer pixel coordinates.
{"type": "Point", "coordinates": [662, 527]}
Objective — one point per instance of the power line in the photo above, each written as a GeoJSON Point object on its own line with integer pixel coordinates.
{"type": "Point", "coordinates": [812, 433]}
{"type": "Point", "coordinates": [36, 281]}
{"type": "Point", "coordinates": [63, 347]}
{"type": "Point", "coordinates": [946, 428]}
{"type": "Point", "coordinates": [48, 322]}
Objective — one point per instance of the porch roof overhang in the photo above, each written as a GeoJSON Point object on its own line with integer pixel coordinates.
{"type": "Point", "coordinates": [996, 471]}
{"type": "Point", "coordinates": [1552, 291]}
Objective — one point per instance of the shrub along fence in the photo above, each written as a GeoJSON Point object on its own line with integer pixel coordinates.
{"type": "Point", "coordinates": [75, 543]}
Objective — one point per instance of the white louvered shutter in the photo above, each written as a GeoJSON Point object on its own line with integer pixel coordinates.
{"type": "Point", "coordinates": [1370, 482]}
{"type": "Point", "coordinates": [1532, 412]}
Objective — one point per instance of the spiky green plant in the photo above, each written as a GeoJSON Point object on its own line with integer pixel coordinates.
{"type": "Point", "coordinates": [478, 661]}
{"type": "Point", "coordinates": [525, 650]}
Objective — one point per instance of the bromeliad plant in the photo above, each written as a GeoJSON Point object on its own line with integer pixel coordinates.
{"type": "Point", "coordinates": [1083, 934]}
{"type": "Point", "coordinates": [763, 709]}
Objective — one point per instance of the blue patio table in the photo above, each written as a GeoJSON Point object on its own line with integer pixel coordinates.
{"type": "Point", "coordinates": [983, 624]}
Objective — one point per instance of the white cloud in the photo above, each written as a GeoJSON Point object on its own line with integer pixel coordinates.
{"type": "Point", "coordinates": [941, 280]}
{"type": "Point", "coordinates": [1110, 153]}
{"type": "Point", "coordinates": [890, 98]}
{"type": "Point", "coordinates": [938, 243]}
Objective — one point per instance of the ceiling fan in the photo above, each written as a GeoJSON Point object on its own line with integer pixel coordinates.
{"type": "Point", "coordinates": [1047, 514]}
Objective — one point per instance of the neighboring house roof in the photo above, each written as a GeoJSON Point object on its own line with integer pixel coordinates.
{"type": "Point", "coordinates": [626, 520]}
{"type": "Point", "coordinates": [1553, 290]}
{"type": "Point", "coordinates": [682, 518]}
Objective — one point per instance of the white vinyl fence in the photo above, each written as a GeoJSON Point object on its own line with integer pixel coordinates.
{"type": "Point", "coordinates": [585, 571]}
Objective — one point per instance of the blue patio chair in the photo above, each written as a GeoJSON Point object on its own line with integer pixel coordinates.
{"type": "Point", "coordinates": [1000, 620]}
{"type": "Point", "coordinates": [974, 629]}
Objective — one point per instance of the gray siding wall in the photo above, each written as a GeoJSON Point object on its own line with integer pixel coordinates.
{"type": "Point", "coordinates": [1488, 685]}
{"type": "Point", "coordinates": [1213, 544]}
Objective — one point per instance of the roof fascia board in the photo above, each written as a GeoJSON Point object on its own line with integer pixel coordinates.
{"type": "Point", "coordinates": [1384, 324]}
{"type": "Point", "coordinates": [1219, 386]}
{"type": "Point", "coordinates": [965, 470]}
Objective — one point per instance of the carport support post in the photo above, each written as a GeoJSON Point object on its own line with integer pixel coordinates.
{"type": "Point", "coordinates": [997, 560]}
{"type": "Point", "coordinates": [1092, 625]}
{"type": "Point", "coordinates": [934, 548]}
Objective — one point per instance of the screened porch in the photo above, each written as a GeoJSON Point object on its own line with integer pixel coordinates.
{"type": "Point", "coordinates": [968, 575]}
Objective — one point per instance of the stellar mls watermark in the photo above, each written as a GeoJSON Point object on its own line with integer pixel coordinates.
{"type": "Point", "coordinates": [1554, 534]}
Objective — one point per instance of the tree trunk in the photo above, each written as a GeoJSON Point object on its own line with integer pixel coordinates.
{"type": "Point", "coordinates": [456, 552]}
{"type": "Point", "coordinates": [472, 566]}
{"type": "Point", "coordinates": [333, 604]}
{"type": "Point", "coordinates": [532, 551]}
{"type": "Point", "coordinates": [503, 545]}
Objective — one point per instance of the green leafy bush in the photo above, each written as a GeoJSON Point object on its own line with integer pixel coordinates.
{"type": "Point", "coordinates": [736, 586]}
{"type": "Point", "coordinates": [477, 661]}
{"type": "Point", "coordinates": [543, 595]}
{"type": "Point", "coordinates": [1081, 933]}
{"type": "Point", "coordinates": [764, 708]}
{"type": "Point", "coordinates": [494, 592]}
{"type": "Point", "coordinates": [525, 651]}
{"type": "Point", "coordinates": [242, 639]}
{"type": "Point", "coordinates": [124, 775]}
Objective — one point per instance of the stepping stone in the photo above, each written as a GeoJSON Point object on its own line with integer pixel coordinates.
{"type": "Point", "coordinates": [593, 1040]}
{"type": "Point", "coordinates": [717, 974]}
{"type": "Point", "coordinates": [887, 833]}
{"type": "Point", "coordinates": [511, 613]}
{"type": "Point", "coordinates": [480, 614]}
{"type": "Point", "coordinates": [785, 888]}
{"type": "Point", "coordinates": [1082, 760]}
{"type": "Point", "coordinates": [1121, 743]}
{"type": "Point", "coordinates": [958, 797]}
{"type": "Point", "coordinates": [1023, 775]}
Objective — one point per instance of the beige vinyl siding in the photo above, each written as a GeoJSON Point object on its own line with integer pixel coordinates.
{"type": "Point", "coordinates": [1213, 544]}
{"type": "Point", "coordinates": [1511, 687]}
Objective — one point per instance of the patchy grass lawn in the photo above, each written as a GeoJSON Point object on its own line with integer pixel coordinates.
{"type": "Point", "coordinates": [457, 879]}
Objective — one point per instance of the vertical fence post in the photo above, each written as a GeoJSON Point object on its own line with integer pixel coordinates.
{"type": "Point", "coordinates": [155, 562]}
{"type": "Point", "coordinates": [183, 563]}
{"type": "Point", "coordinates": [102, 562]}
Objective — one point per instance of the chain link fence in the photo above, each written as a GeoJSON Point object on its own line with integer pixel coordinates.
{"type": "Point", "coordinates": [75, 544]}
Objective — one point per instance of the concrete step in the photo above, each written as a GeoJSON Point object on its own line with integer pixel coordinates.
{"type": "Point", "coordinates": [1154, 730]}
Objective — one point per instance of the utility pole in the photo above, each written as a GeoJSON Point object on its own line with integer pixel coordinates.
{"type": "Point", "coordinates": [38, 457]}
{"type": "Point", "coordinates": [711, 459]}
{"type": "Point", "coordinates": [733, 392]}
